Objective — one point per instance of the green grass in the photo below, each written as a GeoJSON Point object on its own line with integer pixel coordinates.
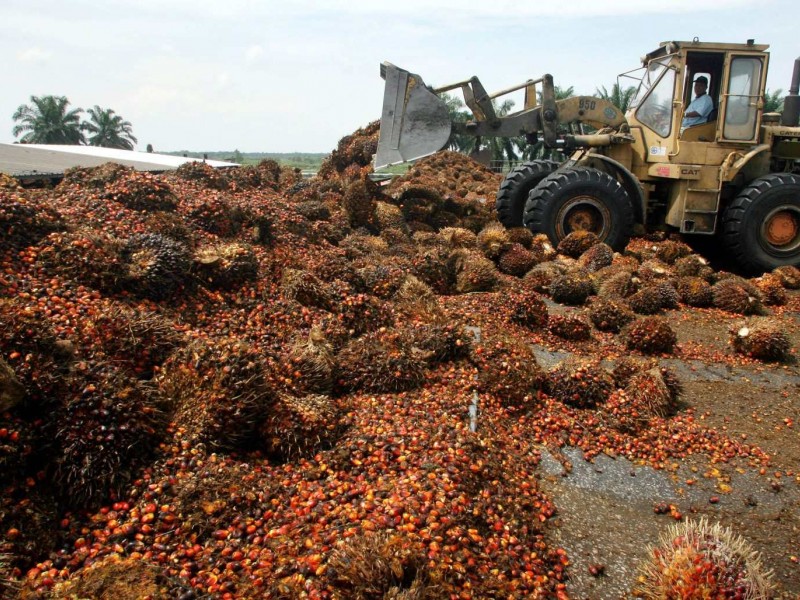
{"type": "Point", "coordinates": [305, 161]}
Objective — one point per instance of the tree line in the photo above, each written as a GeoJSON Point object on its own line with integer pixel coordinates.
{"type": "Point", "coordinates": [511, 150]}
{"type": "Point", "coordinates": [49, 120]}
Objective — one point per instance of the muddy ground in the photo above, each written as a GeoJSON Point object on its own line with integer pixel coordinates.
{"type": "Point", "coordinates": [607, 515]}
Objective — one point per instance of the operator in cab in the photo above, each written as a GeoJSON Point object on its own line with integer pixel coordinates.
{"type": "Point", "coordinates": [698, 110]}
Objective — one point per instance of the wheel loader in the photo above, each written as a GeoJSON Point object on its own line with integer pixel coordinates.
{"type": "Point", "coordinates": [736, 175]}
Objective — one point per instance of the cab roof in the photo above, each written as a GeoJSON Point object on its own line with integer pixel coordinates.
{"type": "Point", "coordinates": [671, 47]}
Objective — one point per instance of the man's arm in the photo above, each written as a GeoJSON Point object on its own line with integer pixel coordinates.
{"type": "Point", "coordinates": [703, 104]}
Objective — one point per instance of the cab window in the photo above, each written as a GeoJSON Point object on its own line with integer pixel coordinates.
{"type": "Point", "coordinates": [655, 111]}
{"type": "Point", "coordinates": [742, 98]}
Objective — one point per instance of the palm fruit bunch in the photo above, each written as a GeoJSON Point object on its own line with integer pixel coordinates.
{"type": "Point", "coordinates": [669, 251]}
{"type": "Point", "coordinates": [541, 277]}
{"type": "Point", "coordinates": [670, 298]}
{"type": "Point", "coordinates": [771, 287]}
{"type": "Point", "coordinates": [417, 300]}
{"type": "Point", "coordinates": [219, 392]}
{"type": "Point", "coordinates": [493, 240]}
{"type": "Point", "coordinates": [422, 204]}
{"type": "Point", "coordinates": [610, 314]}
{"type": "Point", "coordinates": [696, 559]}
{"type": "Point", "coordinates": [435, 268]}
{"type": "Point", "coordinates": [107, 426]}
{"type": "Point", "coordinates": [380, 361]}
{"type": "Point", "coordinates": [298, 427]}
{"type": "Point", "coordinates": [361, 244]}
{"type": "Point", "coordinates": [306, 288]}
{"type": "Point", "coordinates": [580, 383]}
{"type": "Point", "coordinates": [244, 177]}
{"type": "Point", "coordinates": [440, 342]}
{"type": "Point", "coordinates": [213, 214]}
{"type": "Point", "coordinates": [597, 257]}
{"type": "Point", "coordinates": [115, 576]}
{"type": "Point", "coordinates": [36, 358]}
{"type": "Point", "coordinates": [270, 172]}
{"type": "Point", "coordinates": [23, 221]}
{"type": "Point", "coordinates": [542, 247]}
{"type": "Point", "coordinates": [507, 369]}
{"type": "Point", "coordinates": [473, 272]}
{"type": "Point", "coordinates": [569, 327]}
{"type": "Point", "coordinates": [203, 173]}
{"type": "Point", "coordinates": [736, 295]}
{"type": "Point", "coordinates": [313, 210]}
{"type": "Point", "coordinates": [398, 242]}
{"type": "Point", "coordinates": [155, 266]}
{"type": "Point", "coordinates": [19, 439]}
{"type": "Point", "coordinates": [790, 277]}
{"type": "Point", "coordinates": [171, 225]}
{"type": "Point", "coordinates": [650, 335]}
{"type": "Point", "coordinates": [576, 243]}
{"type": "Point", "coordinates": [695, 291]}
{"type": "Point", "coordinates": [382, 564]}
{"type": "Point", "coordinates": [653, 270]}
{"type": "Point", "coordinates": [354, 149]}
{"type": "Point", "coordinates": [96, 177]}
{"type": "Point", "coordinates": [389, 216]}
{"type": "Point", "coordinates": [381, 280]}
{"type": "Point", "coordinates": [361, 313]}
{"type": "Point", "coordinates": [644, 397]}
{"type": "Point", "coordinates": [458, 237]}
{"type": "Point", "coordinates": [573, 288]}
{"type": "Point", "coordinates": [629, 366]}
{"type": "Point", "coordinates": [616, 284]}
{"type": "Point", "coordinates": [527, 309]}
{"type": "Point", "coordinates": [693, 265]}
{"type": "Point", "coordinates": [225, 265]}
{"type": "Point", "coordinates": [311, 362]}
{"type": "Point", "coordinates": [647, 301]}
{"type": "Point", "coordinates": [141, 191]}
{"type": "Point", "coordinates": [88, 257]}
{"type": "Point", "coordinates": [359, 205]}
{"type": "Point", "coordinates": [763, 340]}
{"type": "Point", "coordinates": [522, 236]}
{"type": "Point", "coordinates": [137, 341]}
{"type": "Point", "coordinates": [625, 368]}
{"type": "Point", "coordinates": [28, 521]}
{"type": "Point", "coordinates": [516, 260]}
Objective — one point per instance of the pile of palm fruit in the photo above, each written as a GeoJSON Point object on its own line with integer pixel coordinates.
{"type": "Point", "coordinates": [246, 384]}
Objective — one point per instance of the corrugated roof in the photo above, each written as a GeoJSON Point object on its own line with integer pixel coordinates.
{"type": "Point", "coordinates": [26, 160]}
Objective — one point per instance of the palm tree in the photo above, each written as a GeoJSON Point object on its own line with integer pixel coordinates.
{"type": "Point", "coordinates": [773, 101]}
{"type": "Point", "coordinates": [46, 120]}
{"type": "Point", "coordinates": [457, 142]}
{"type": "Point", "coordinates": [621, 98]}
{"type": "Point", "coordinates": [108, 129]}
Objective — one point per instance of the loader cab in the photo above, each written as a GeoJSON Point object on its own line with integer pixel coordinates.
{"type": "Point", "coordinates": [736, 76]}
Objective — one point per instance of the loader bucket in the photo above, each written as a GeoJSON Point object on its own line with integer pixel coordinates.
{"type": "Point", "coordinates": [415, 122]}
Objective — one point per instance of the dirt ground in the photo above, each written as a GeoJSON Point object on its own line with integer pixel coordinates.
{"type": "Point", "coordinates": [606, 508]}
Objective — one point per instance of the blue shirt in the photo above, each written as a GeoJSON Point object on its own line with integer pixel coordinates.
{"type": "Point", "coordinates": [703, 105]}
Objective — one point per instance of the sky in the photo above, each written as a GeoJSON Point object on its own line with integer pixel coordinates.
{"type": "Point", "coordinates": [298, 75]}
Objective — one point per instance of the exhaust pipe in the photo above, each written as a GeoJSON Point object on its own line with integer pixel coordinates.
{"type": "Point", "coordinates": [791, 104]}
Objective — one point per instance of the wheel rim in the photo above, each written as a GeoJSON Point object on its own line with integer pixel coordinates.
{"type": "Point", "coordinates": [780, 231]}
{"type": "Point", "coordinates": [583, 213]}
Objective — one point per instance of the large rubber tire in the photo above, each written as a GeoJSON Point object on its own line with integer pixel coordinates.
{"type": "Point", "coordinates": [578, 198]}
{"type": "Point", "coordinates": [761, 227]}
{"type": "Point", "coordinates": [513, 192]}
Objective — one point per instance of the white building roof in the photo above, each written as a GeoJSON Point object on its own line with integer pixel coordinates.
{"type": "Point", "coordinates": [33, 160]}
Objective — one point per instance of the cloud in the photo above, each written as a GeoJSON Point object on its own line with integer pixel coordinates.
{"type": "Point", "coordinates": [33, 55]}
